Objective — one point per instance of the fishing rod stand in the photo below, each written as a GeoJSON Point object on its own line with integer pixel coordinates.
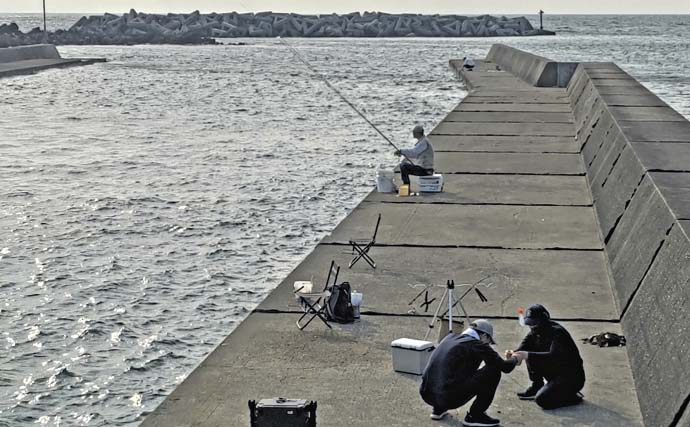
{"type": "Point", "coordinates": [453, 303]}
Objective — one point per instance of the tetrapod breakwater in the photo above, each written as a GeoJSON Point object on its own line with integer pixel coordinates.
{"type": "Point", "coordinates": [197, 28]}
{"type": "Point", "coordinates": [565, 184]}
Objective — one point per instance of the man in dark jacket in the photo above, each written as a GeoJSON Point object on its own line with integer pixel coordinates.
{"type": "Point", "coordinates": [551, 355]}
{"type": "Point", "coordinates": [452, 377]}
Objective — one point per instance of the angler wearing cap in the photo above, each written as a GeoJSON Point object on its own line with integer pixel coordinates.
{"type": "Point", "coordinates": [422, 154]}
{"type": "Point", "coordinates": [452, 377]}
{"type": "Point", "coordinates": [551, 355]}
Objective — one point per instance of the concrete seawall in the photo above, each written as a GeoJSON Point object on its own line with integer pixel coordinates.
{"type": "Point", "coordinates": [548, 194]}
{"type": "Point", "coordinates": [637, 154]}
{"type": "Point", "coordinates": [535, 70]}
{"type": "Point", "coordinates": [31, 59]}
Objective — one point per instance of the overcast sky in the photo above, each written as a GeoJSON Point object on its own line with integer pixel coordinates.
{"type": "Point", "coordinates": [320, 6]}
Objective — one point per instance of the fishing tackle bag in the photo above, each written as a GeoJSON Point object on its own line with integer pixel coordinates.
{"type": "Point", "coordinates": [339, 304]}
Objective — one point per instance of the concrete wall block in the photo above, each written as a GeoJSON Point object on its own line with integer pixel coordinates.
{"type": "Point", "coordinates": [659, 334]}
{"type": "Point", "coordinates": [585, 103]}
{"type": "Point", "coordinates": [635, 240]}
{"type": "Point", "coordinates": [608, 151]}
{"type": "Point", "coordinates": [614, 186]}
{"type": "Point", "coordinates": [533, 69]}
{"type": "Point", "coordinates": [590, 122]}
{"type": "Point", "coordinates": [577, 82]}
{"type": "Point", "coordinates": [594, 135]}
{"type": "Point", "coordinates": [24, 53]}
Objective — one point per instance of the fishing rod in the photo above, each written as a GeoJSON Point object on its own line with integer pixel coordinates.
{"type": "Point", "coordinates": [334, 89]}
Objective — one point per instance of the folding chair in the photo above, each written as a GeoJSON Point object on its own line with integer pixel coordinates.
{"type": "Point", "coordinates": [314, 304]}
{"type": "Point", "coordinates": [361, 247]}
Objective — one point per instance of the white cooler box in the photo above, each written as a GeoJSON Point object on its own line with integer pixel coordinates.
{"type": "Point", "coordinates": [411, 356]}
{"type": "Point", "coordinates": [426, 184]}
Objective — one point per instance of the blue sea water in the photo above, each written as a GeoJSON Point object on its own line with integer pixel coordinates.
{"type": "Point", "coordinates": [149, 203]}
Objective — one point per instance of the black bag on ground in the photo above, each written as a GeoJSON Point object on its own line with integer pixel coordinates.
{"type": "Point", "coordinates": [339, 305]}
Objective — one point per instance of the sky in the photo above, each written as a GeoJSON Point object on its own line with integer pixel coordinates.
{"type": "Point", "coordinates": [467, 7]}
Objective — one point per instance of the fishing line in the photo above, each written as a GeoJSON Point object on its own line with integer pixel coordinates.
{"type": "Point", "coordinates": [334, 89]}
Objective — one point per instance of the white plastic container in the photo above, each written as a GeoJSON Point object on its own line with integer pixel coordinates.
{"type": "Point", "coordinates": [356, 299]}
{"type": "Point", "coordinates": [384, 181]}
{"type": "Point", "coordinates": [303, 287]}
{"type": "Point", "coordinates": [411, 356]}
{"type": "Point", "coordinates": [426, 184]}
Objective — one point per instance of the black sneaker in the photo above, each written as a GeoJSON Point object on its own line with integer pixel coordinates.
{"type": "Point", "coordinates": [481, 420]}
{"type": "Point", "coordinates": [531, 392]}
{"type": "Point", "coordinates": [575, 400]}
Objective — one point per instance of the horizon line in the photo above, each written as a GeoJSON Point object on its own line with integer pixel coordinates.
{"type": "Point", "coordinates": [370, 11]}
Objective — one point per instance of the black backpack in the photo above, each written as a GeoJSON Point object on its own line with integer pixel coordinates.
{"type": "Point", "coordinates": [339, 305]}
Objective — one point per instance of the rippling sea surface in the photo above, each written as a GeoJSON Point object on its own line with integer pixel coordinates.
{"type": "Point", "coordinates": [149, 203]}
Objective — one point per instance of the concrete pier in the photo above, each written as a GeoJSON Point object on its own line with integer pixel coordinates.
{"type": "Point", "coordinates": [32, 59]}
{"type": "Point", "coordinates": [574, 197]}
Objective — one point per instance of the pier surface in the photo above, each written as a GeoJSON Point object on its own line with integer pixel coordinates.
{"type": "Point", "coordinates": [32, 59]}
{"type": "Point", "coordinates": [543, 196]}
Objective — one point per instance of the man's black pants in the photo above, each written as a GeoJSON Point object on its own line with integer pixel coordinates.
{"type": "Point", "coordinates": [407, 169]}
{"type": "Point", "coordinates": [560, 390]}
{"type": "Point", "coordinates": [482, 384]}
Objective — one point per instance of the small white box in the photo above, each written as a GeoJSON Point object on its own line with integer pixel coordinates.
{"type": "Point", "coordinates": [303, 287]}
{"type": "Point", "coordinates": [411, 356]}
{"type": "Point", "coordinates": [426, 184]}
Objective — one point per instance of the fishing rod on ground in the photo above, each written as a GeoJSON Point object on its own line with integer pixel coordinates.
{"type": "Point", "coordinates": [347, 101]}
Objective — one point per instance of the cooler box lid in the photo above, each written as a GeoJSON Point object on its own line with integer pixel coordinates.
{"type": "Point", "coordinates": [411, 344]}
{"type": "Point", "coordinates": [281, 402]}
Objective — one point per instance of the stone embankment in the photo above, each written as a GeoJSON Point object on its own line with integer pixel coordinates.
{"type": "Point", "coordinates": [197, 28]}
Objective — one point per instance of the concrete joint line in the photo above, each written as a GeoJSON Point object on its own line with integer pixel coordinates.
{"type": "Point", "coordinates": [429, 316]}
{"type": "Point", "coordinates": [603, 141]}
{"type": "Point", "coordinates": [499, 134]}
{"type": "Point", "coordinates": [590, 133]}
{"type": "Point", "coordinates": [501, 248]}
{"type": "Point", "coordinates": [536, 205]}
{"type": "Point", "coordinates": [514, 173]}
{"type": "Point", "coordinates": [609, 234]}
{"type": "Point", "coordinates": [503, 152]}
{"type": "Point", "coordinates": [670, 171]}
{"type": "Point", "coordinates": [644, 276]}
{"type": "Point", "coordinates": [613, 165]}
{"type": "Point", "coordinates": [681, 411]}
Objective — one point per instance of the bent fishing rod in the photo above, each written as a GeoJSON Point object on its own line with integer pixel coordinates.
{"type": "Point", "coordinates": [334, 89]}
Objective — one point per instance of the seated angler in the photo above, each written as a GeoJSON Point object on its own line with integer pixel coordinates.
{"type": "Point", "coordinates": [452, 377]}
{"type": "Point", "coordinates": [422, 156]}
{"type": "Point", "coordinates": [551, 355]}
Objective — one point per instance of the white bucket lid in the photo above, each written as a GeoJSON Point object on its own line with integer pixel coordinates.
{"type": "Point", "coordinates": [411, 344]}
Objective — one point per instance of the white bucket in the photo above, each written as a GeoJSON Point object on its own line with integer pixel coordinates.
{"type": "Point", "coordinates": [356, 299]}
{"type": "Point", "coordinates": [384, 181]}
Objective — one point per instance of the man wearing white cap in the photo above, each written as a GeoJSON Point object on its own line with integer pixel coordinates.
{"type": "Point", "coordinates": [452, 377]}
{"type": "Point", "coordinates": [422, 154]}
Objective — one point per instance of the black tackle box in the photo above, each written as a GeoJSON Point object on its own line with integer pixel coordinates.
{"type": "Point", "coordinates": [281, 412]}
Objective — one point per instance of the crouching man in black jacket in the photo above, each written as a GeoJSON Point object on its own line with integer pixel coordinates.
{"type": "Point", "coordinates": [452, 377]}
{"type": "Point", "coordinates": [551, 355]}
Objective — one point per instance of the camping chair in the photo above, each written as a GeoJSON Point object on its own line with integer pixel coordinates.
{"type": "Point", "coordinates": [314, 304]}
{"type": "Point", "coordinates": [361, 247]}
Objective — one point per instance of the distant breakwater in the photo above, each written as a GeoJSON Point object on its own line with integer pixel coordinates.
{"type": "Point", "coordinates": [197, 28]}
